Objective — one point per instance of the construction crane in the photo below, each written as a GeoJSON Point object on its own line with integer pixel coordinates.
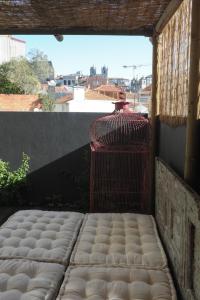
{"type": "Point", "coordinates": [134, 67]}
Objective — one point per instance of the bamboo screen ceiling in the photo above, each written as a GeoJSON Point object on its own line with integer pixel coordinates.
{"type": "Point", "coordinates": [137, 17]}
{"type": "Point", "coordinates": [173, 66]}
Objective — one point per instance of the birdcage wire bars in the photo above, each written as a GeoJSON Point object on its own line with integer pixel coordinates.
{"type": "Point", "coordinates": [119, 177]}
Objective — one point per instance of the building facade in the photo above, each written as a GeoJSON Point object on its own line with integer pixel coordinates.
{"type": "Point", "coordinates": [142, 83]}
{"type": "Point", "coordinates": [68, 80]}
{"type": "Point", "coordinates": [11, 47]}
{"type": "Point", "coordinates": [120, 82]}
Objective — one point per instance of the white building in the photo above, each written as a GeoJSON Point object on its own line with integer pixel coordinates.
{"type": "Point", "coordinates": [11, 47]}
{"type": "Point", "coordinates": [79, 104]}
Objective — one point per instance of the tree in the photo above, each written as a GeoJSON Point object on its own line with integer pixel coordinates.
{"type": "Point", "coordinates": [19, 73]}
{"type": "Point", "coordinates": [42, 68]}
{"type": "Point", "coordinates": [8, 87]}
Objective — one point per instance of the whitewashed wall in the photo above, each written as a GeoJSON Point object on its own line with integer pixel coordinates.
{"type": "Point", "coordinates": [11, 47]}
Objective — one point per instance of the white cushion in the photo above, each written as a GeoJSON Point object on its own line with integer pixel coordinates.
{"type": "Point", "coordinates": [117, 240]}
{"type": "Point", "coordinates": [29, 280]}
{"type": "Point", "coordinates": [100, 283]}
{"type": "Point", "coordinates": [40, 235]}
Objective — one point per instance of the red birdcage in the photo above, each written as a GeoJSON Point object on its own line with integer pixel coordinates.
{"type": "Point", "coordinates": [119, 179]}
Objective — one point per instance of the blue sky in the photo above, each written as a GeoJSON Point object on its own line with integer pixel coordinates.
{"type": "Point", "coordinates": [78, 53]}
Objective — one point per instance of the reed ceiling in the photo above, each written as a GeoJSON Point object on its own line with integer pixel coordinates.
{"type": "Point", "coordinates": [128, 17]}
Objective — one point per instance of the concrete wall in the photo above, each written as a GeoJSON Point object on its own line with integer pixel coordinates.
{"type": "Point", "coordinates": [171, 149]}
{"type": "Point", "coordinates": [172, 146]}
{"type": "Point", "coordinates": [178, 218]}
{"type": "Point", "coordinates": [58, 146]}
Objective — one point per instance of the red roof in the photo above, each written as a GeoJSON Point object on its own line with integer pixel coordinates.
{"type": "Point", "coordinates": [94, 95]}
{"type": "Point", "coordinates": [14, 102]}
{"type": "Point", "coordinates": [64, 99]}
{"type": "Point", "coordinates": [108, 88]}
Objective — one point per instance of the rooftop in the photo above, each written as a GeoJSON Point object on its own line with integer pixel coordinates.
{"type": "Point", "coordinates": [108, 88]}
{"type": "Point", "coordinates": [18, 102]}
{"type": "Point", "coordinates": [93, 95]}
{"type": "Point", "coordinates": [18, 40]}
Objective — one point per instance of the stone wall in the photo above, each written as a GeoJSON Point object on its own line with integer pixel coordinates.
{"type": "Point", "coordinates": [178, 218]}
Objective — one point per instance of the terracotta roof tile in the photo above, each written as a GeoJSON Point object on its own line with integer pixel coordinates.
{"type": "Point", "coordinates": [94, 95]}
{"type": "Point", "coordinates": [18, 102]}
{"type": "Point", "coordinates": [109, 88]}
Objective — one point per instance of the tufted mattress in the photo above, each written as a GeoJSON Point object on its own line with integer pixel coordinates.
{"type": "Point", "coordinates": [119, 240]}
{"type": "Point", "coordinates": [100, 283]}
{"type": "Point", "coordinates": [40, 235]}
{"type": "Point", "coordinates": [29, 280]}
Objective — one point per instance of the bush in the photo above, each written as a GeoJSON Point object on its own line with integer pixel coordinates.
{"type": "Point", "coordinates": [11, 182]}
{"type": "Point", "coordinates": [48, 103]}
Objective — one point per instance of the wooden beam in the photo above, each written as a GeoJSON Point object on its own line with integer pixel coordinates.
{"type": "Point", "coordinates": [191, 131]}
{"type": "Point", "coordinates": [166, 16]}
{"type": "Point", "coordinates": [153, 121]}
{"type": "Point", "coordinates": [75, 31]}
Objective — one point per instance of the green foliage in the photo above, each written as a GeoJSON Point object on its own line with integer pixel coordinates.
{"type": "Point", "coordinates": [12, 181]}
{"type": "Point", "coordinates": [48, 103]}
{"type": "Point", "coordinates": [20, 74]}
{"type": "Point", "coordinates": [8, 87]}
{"type": "Point", "coordinates": [41, 67]}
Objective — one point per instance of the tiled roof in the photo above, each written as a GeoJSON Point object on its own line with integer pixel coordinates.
{"type": "Point", "coordinates": [108, 88]}
{"type": "Point", "coordinates": [94, 95]}
{"type": "Point", "coordinates": [64, 99]}
{"type": "Point", "coordinates": [18, 102]}
{"type": "Point", "coordinates": [17, 40]}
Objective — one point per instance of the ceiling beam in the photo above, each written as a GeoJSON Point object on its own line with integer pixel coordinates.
{"type": "Point", "coordinates": [76, 31]}
{"type": "Point", "coordinates": [166, 16]}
